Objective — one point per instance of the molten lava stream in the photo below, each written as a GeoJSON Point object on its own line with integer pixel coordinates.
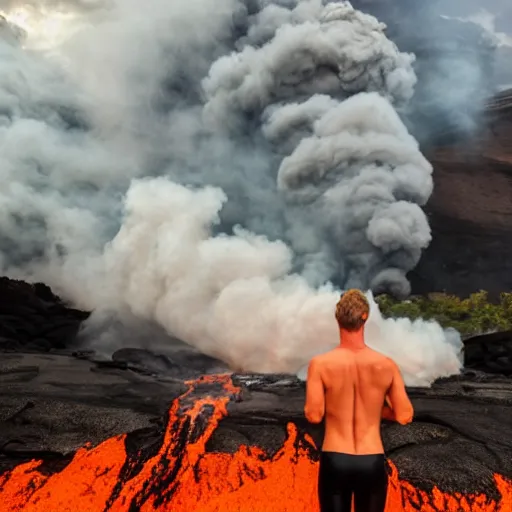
{"type": "Point", "coordinates": [183, 477]}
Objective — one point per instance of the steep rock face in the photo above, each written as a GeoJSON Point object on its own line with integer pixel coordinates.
{"type": "Point", "coordinates": [470, 210]}
{"type": "Point", "coordinates": [458, 66]}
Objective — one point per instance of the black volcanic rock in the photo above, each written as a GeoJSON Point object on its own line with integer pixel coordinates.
{"type": "Point", "coordinates": [491, 353]}
{"type": "Point", "coordinates": [33, 318]}
{"type": "Point", "coordinates": [183, 363]}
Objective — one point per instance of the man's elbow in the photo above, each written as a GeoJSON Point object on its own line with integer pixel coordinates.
{"type": "Point", "coordinates": [405, 416]}
{"type": "Point", "coordinates": [313, 416]}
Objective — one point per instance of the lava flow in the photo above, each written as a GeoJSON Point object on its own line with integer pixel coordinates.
{"type": "Point", "coordinates": [179, 475]}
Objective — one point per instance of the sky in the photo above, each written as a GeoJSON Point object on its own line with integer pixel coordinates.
{"type": "Point", "coordinates": [494, 16]}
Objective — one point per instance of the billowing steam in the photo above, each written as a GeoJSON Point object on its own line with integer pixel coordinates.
{"type": "Point", "coordinates": [214, 166]}
{"type": "Point", "coordinates": [235, 296]}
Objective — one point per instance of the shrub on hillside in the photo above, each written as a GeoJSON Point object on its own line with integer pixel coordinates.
{"type": "Point", "coordinates": [472, 315]}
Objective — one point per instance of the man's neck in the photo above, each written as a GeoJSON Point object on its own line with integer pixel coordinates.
{"type": "Point", "coordinates": [352, 340]}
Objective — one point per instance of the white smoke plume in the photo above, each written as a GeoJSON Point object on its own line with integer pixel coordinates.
{"type": "Point", "coordinates": [235, 297]}
{"type": "Point", "coordinates": [214, 168]}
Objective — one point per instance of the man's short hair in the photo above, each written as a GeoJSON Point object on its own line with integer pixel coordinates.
{"type": "Point", "coordinates": [352, 310]}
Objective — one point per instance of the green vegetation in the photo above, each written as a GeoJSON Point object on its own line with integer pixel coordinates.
{"type": "Point", "coordinates": [473, 315]}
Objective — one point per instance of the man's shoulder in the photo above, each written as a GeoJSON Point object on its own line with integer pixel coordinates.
{"type": "Point", "coordinates": [381, 361]}
{"type": "Point", "coordinates": [319, 360]}
{"type": "Point", "coordinates": [324, 359]}
{"type": "Point", "coordinates": [347, 357]}
{"type": "Point", "coordinates": [380, 356]}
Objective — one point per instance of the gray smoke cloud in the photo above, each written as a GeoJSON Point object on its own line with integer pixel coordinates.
{"type": "Point", "coordinates": [352, 164]}
{"type": "Point", "coordinates": [220, 168]}
{"type": "Point", "coordinates": [458, 66]}
{"type": "Point", "coordinates": [497, 28]}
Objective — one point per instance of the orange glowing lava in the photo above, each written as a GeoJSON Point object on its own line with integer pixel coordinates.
{"type": "Point", "coordinates": [182, 477]}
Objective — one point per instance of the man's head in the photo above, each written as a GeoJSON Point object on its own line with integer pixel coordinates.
{"type": "Point", "coordinates": [352, 310]}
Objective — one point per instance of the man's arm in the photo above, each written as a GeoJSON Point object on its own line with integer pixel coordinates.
{"type": "Point", "coordinates": [315, 397]}
{"type": "Point", "coordinates": [387, 411]}
{"type": "Point", "coordinates": [398, 407]}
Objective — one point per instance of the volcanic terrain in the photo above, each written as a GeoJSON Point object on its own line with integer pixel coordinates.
{"type": "Point", "coordinates": [153, 431]}
{"type": "Point", "coordinates": [167, 428]}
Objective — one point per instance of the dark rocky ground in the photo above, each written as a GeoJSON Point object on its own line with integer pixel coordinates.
{"type": "Point", "coordinates": [55, 400]}
{"type": "Point", "coordinates": [53, 404]}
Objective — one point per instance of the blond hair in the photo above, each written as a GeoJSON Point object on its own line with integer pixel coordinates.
{"type": "Point", "coordinates": [352, 310]}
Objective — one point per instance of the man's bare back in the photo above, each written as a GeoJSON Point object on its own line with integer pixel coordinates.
{"type": "Point", "coordinates": [354, 387]}
{"type": "Point", "coordinates": [351, 386]}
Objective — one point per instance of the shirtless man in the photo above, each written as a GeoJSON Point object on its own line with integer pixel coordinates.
{"type": "Point", "coordinates": [354, 387]}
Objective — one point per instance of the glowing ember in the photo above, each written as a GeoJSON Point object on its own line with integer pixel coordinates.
{"type": "Point", "coordinates": [181, 476]}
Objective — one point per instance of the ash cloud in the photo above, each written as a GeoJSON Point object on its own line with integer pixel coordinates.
{"type": "Point", "coordinates": [221, 168]}
{"type": "Point", "coordinates": [497, 28]}
{"type": "Point", "coordinates": [458, 63]}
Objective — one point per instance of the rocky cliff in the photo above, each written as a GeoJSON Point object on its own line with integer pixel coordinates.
{"type": "Point", "coordinates": [471, 209]}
